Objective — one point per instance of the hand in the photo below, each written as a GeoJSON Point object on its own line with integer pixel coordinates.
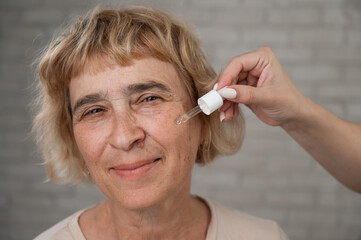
{"type": "Point", "coordinates": [261, 84]}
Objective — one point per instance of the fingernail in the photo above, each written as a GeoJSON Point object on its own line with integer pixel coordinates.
{"type": "Point", "coordinates": [229, 93]}
{"type": "Point", "coordinates": [215, 86]}
{"type": "Point", "coordinates": [222, 116]}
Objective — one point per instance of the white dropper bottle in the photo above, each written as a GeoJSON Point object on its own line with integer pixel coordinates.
{"type": "Point", "coordinates": [207, 104]}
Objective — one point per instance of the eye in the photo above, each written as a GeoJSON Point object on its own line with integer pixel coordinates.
{"type": "Point", "coordinates": [93, 112]}
{"type": "Point", "coordinates": [150, 99]}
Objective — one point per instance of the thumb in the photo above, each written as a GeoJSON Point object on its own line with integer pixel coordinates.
{"type": "Point", "coordinates": [241, 94]}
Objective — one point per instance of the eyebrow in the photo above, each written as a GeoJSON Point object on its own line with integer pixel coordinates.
{"type": "Point", "coordinates": [141, 87]}
{"type": "Point", "coordinates": [88, 99]}
{"type": "Point", "coordinates": [131, 89]}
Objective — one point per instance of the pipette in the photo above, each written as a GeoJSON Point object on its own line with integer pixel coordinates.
{"type": "Point", "coordinates": [185, 117]}
{"type": "Point", "coordinates": [207, 104]}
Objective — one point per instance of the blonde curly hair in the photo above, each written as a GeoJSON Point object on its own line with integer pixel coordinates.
{"type": "Point", "coordinates": [123, 35]}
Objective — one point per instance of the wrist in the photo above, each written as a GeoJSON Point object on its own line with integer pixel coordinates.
{"type": "Point", "coordinates": [303, 118]}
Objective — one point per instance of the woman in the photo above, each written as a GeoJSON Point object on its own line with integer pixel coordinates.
{"type": "Point", "coordinates": [111, 90]}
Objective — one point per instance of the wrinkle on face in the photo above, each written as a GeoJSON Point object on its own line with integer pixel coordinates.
{"type": "Point", "coordinates": [122, 93]}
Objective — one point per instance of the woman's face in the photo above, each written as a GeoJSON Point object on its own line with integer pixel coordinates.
{"type": "Point", "coordinates": [124, 121]}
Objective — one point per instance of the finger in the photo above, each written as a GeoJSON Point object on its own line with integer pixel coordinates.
{"type": "Point", "coordinates": [243, 82]}
{"type": "Point", "coordinates": [227, 110]}
{"type": "Point", "coordinates": [252, 80]}
{"type": "Point", "coordinates": [242, 76]}
{"type": "Point", "coordinates": [236, 111]}
{"type": "Point", "coordinates": [243, 63]}
{"type": "Point", "coordinates": [245, 94]}
{"type": "Point", "coordinates": [226, 104]}
{"type": "Point", "coordinates": [229, 114]}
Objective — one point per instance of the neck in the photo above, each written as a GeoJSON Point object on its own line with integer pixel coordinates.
{"type": "Point", "coordinates": [179, 217]}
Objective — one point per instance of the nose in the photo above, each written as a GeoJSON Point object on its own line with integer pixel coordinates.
{"type": "Point", "coordinates": [126, 133]}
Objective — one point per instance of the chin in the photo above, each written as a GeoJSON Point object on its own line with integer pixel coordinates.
{"type": "Point", "coordinates": [151, 190]}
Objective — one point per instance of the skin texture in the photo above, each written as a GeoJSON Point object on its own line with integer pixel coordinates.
{"type": "Point", "coordinates": [124, 120]}
{"type": "Point", "coordinates": [262, 84]}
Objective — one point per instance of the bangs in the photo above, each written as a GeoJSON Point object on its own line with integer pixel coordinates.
{"type": "Point", "coordinates": [115, 37]}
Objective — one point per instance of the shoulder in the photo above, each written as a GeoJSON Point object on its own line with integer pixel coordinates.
{"type": "Point", "coordinates": [229, 223]}
{"type": "Point", "coordinates": [65, 229]}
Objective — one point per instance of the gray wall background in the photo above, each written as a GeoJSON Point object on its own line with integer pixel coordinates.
{"type": "Point", "coordinates": [317, 41]}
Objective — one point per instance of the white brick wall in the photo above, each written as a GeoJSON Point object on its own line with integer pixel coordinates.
{"type": "Point", "coordinates": [319, 43]}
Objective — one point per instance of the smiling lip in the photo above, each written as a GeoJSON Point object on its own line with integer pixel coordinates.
{"type": "Point", "coordinates": [134, 170]}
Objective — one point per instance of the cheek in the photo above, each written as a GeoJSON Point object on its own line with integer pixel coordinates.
{"type": "Point", "coordinates": [89, 142]}
{"type": "Point", "coordinates": [181, 140]}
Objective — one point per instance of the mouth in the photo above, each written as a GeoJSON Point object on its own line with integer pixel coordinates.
{"type": "Point", "coordinates": [135, 170]}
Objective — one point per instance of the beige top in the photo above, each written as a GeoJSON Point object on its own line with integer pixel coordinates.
{"type": "Point", "coordinates": [226, 224]}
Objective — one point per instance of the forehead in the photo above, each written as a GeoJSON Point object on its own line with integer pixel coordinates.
{"type": "Point", "coordinates": [100, 75]}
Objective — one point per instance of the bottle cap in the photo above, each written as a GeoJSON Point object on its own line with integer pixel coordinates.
{"type": "Point", "coordinates": [210, 102]}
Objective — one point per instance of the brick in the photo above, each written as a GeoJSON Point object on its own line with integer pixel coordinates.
{"type": "Point", "coordinates": [221, 54]}
{"type": "Point", "coordinates": [69, 4]}
{"type": "Point", "coordinates": [240, 199]}
{"type": "Point", "coordinates": [42, 17]}
{"type": "Point", "coordinates": [350, 200]}
{"type": "Point", "coordinates": [219, 36]}
{"type": "Point", "coordinates": [267, 37]}
{"type": "Point", "coordinates": [352, 75]}
{"type": "Point", "coordinates": [317, 37]}
{"type": "Point", "coordinates": [293, 55]}
{"type": "Point", "coordinates": [294, 231]}
{"type": "Point", "coordinates": [293, 18]}
{"type": "Point", "coordinates": [288, 162]}
{"type": "Point", "coordinates": [342, 232]}
{"type": "Point", "coordinates": [30, 202]}
{"type": "Point", "coordinates": [240, 18]}
{"type": "Point", "coordinates": [261, 181]}
{"type": "Point", "coordinates": [199, 18]}
{"type": "Point", "coordinates": [257, 4]}
{"type": "Point", "coordinates": [341, 55]}
{"type": "Point", "coordinates": [9, 18]}
{"type": "Point", "coordinates": [311, 73]}
{"type": "Point", "coordinates": [204, 4]}
{"type": "Point", "coordinates": [219, 179]}
{"type": "Point", "coordinates": [74, 203]}
{"type": "Point", "coordinates": [310, 180]}
{"type": "Point", "coordinates": [293, 199]}
{"type": "Point", "coordinates": [307, 3]}
{"type": "Point", "coordinates": [4, 232]}
{"type": "Point", "coordinates": [354, 111]}
{"type": "Point", "coordinates": [353, 37]}
{"type": "Point", "coordinates": [314, 217]}
{"type": "Point", "coordinates": [328, 199]}
{"type": "Point", "coordinates": [336, 17]}
{"type": "Point", "coordinates": [43, 187]}
{"type": "Point", "coordinates": [22, 36]}
{"type": "Point", "coordinates": [340, 91]}
{"type": "Point", "coordinates": [351, 218]}
{"type": "Point", "coordinates": [18, 4]}
{"type": "Point", "coordinates": [12, 52]}
{"type": "Point", "coordinates": [273, 213]}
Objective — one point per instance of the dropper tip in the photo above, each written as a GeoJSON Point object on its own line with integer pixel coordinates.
{"type": "Point", "coordinates": [184, 118]}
